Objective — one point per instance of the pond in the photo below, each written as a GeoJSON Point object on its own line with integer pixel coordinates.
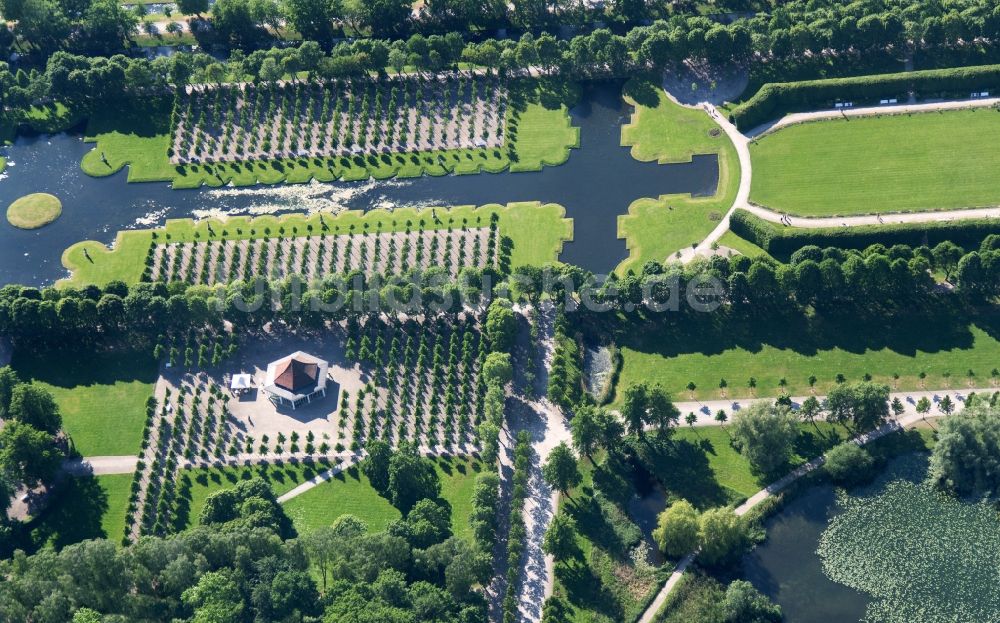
{"type": "Point", "coordinates": [598, 183]}
{"type": "Point", "coordinates": [896, 550]}
{"type": "Point", "coordinates": [787, 569]}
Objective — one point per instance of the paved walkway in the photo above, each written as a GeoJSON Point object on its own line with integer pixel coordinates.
{"type": "Point", "coordinates": [867, 111]}
{"type": "Point", "coordinates": [742, 143]}
{"type": "Point", "coordinates": [320, 478]}
{"type": "Point", "coordinates": [547, 427]}
{"type": "Point", "coordinates": [873, 219]}
{"type": "Point", "coordinates": [103, 465]}
{"type": "Point", "coordinates": [908, 418]}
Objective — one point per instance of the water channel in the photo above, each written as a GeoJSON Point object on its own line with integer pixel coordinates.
{"type": "Point", "coordinates": [598, 183]}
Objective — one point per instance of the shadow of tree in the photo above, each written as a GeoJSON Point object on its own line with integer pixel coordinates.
{"type": "Point", "coordinates": [682, 468]}
{"type": "Point", "coordinates": [74, 515]}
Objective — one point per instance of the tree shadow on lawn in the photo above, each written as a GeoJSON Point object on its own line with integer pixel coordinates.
{"type": "Point", "coordinates": [73, 368]}
{"type": "Point", "coordinates": [682, 467]}
{"type": "Point", "coordinates": [812, 443]}
{"type": "Point", "coordinates": [144, 117]}
{"type": "Point", "coordinates": [930, 331]}
{"type": "Point", "coordinates": [73, 516]}
{"type": "Point", "coordinates": [584, 589]}
{"type": "Point", "coordinates": [593, 524]}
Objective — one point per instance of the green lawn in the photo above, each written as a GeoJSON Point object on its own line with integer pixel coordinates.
{"type": "Point", "coordinates": [92, 507]}
{"type": "Point", "coordinates": [794, 349]}
{"type": "Point", "coordinates": [117, 487]}
{"type": "Point", "coordinates": [195, 485]}
{"type": "Point", "coordinates": [350, 493]}
{"type": "Point", "coordinates": [34, 210]}
{"type": "Point", "coordinates": [925, 161]}
{"type": "Point", "coordinates": [742, 245]}
{"type": "Point", "coordinates": [102, 398]}
{"type": "Point", "coordinates": [661, 130]}
{"type": "Point", "coordinates": [725, 475]}
{"type": "Point", "coordinates": [536, 230]}
{"type": "Point", "coordinates": [139, 137]}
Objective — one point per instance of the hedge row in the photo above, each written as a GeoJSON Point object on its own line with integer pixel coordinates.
{"type": "Point", "coordinates": [781, 242]}
{"type": "Point", "coordinates": [775, 99]}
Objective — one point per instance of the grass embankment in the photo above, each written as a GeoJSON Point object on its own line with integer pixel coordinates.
{"type": "Point", "coordinates": [102, 398]}
{"type": "Point", "coordinates": [536, 230]}
{"type": "Point", "coordinates": [795, 349]}
{"type": "Point", "coordinates": [741, 245]}
{"type": "Point", "coordinates": [350, 493]}
{"type": "Point", "coordinates": [139, 135]}
{"type": "Point", "coordinates": [664, 131]}
{"type": "Point", "coordinates": [34, 210]}
{"type": "Point", "coordinates": [922, 161]}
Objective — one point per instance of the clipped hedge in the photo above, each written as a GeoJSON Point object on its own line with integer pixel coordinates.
{"type": "Point", "coordinates": [781, 241]}
{"type": "Point", "coordinates": [775, 99]}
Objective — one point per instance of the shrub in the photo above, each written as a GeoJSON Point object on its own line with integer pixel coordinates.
{"type": "Point", "coordinates": [848, 464]}
{"type": "Point", "coordinates": [775, 99]}
{"type": "Point", "coordinates": [676, 531]}
{"type": "Point", "coordinates": [782, 242]}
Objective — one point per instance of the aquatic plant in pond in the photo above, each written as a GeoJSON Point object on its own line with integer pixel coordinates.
{"type": "Point", "coordinates": [921, 554]}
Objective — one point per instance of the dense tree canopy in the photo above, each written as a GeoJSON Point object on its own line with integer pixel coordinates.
{"type": "Point", "coordinates": [765, 433]}
{"type": "Point", "coordinates": [964, 459]}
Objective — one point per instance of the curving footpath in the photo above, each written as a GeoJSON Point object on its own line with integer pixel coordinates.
{"type": "Point", "coordinates": [742, 144]}
{"type": "Point", "coordinates": [908, 418]}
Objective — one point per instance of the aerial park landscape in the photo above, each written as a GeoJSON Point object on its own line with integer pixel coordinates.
{"type": "Point", "coordinates": [379, 311]}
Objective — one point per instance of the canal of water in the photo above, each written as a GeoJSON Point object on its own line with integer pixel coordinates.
{"type": "Point", "coordinates": [596, 185]}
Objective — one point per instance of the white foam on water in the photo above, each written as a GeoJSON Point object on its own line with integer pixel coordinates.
{"type": "Point", "coordinates": [312, 197]}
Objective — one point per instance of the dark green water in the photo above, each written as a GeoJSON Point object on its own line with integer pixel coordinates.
{"type": "Point", "coordinates": [787, 569]}
{"type": "Point", "coordinates": [598, 183]}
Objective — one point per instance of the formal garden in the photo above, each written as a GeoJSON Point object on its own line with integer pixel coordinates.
{"type": "Point", "coordinates": [213, 136]}
{"type": "Point", "coordinates": [320, 244]}
{"type": "Point", "coordinates": [318, 256]}
{"type": "Point", "coordinates": [661, 130]}
{"type": "Point", "coordinates": [332, 119]}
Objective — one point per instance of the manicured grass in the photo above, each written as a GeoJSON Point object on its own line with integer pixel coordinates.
{"type": "Point", "coordinates": [91, 507]}
{"type": "Point", "coordinates": [794, 350]}
{"type": "Point", "coordinates": [91, 262]}
{"type": "Point", "coordinates": [536, 230]}
{"type": "Point", "coordinates": [924, 161]}
{"type": "Point", "coordinates": [102, 398]}
{"type": "Point", "coordinates": [742, 245]}
{"type": "Point", "coordinates": [350, 493]}
{"type": "Point", "coordinates": [139, 136]}
{"type": "Point", "coordinates": [195, 485]}
{"type": "Point", "coordinates": [730, 470]}
{"type": "Point", "coordinates": [663, 130]}
{"type": "Point", "coordinates": [117, 487]}
{"type": "Point", "coordinates": [34, 210]}
{"type": "Point", "coordinates": [656, 228]}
